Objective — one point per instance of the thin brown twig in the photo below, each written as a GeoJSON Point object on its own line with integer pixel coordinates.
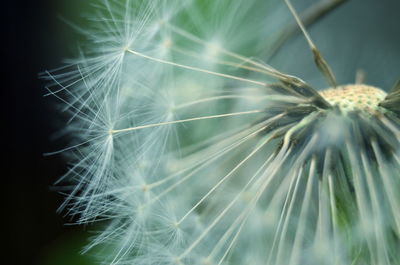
{"type": "Point", "coordinates": [309, 17]}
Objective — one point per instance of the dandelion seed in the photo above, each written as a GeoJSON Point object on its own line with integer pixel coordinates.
{"type": "Point", "coordinates": [196, 154]}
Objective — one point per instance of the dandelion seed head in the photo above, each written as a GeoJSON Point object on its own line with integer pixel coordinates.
{"type": "Point", "coordinates": [196, 151]}
{"type": "Point", "coordinates": [355, 97]}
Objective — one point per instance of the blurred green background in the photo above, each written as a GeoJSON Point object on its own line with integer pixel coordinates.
{"type": "Point", "coordinates": [360, 34]}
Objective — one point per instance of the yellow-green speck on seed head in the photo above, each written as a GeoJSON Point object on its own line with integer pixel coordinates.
{"type": "Point", "coordinates": [355, 97]}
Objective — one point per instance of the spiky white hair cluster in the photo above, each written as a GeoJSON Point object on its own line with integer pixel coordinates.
{"type": "Point", "coordinates": [193, 152]}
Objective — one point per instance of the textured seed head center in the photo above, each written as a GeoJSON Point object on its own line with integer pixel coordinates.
{"type": "Point", "coordinates": [354, 97]}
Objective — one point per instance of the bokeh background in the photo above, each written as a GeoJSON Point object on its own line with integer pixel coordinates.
{"type": "Point", "coordinates": [361, 34]}
{"type": "Point", "coordinates": [35, 39]}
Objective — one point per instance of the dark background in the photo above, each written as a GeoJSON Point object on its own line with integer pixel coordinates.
{"type": "Point", "coordinates": [34, 39]}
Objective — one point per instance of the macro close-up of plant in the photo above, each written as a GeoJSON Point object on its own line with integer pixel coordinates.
{"type": "Point", "coordinates": [222, 132]}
